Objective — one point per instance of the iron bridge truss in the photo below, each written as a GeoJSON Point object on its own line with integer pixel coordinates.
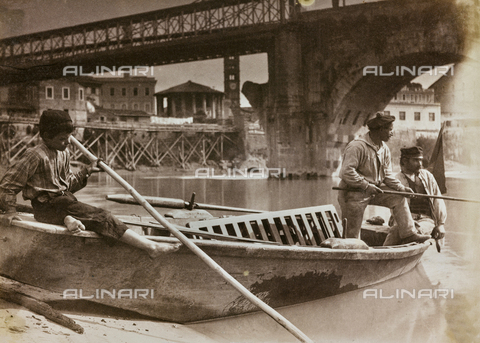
{"type": "Point", "coordinates": [162, 26]}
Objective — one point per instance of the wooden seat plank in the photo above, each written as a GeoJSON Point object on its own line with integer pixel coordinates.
{"type": "Point", "coordinates": [263, 233]}
{"type": "Point", "coordinates": [298, 229]}
{"type": "Point", "coordinates": [286, 230]}
{"type": "Point", "coordinates": [274, 230]}
{"type": "Point", "coordinates": [329, 230]}
{"type": "Point", "coordinates": [250, 229]}
{"type": "Point", "coordinates": [309, 229]}
{"type": "Point", "coordinates": [237, 229]}
{"type": "Point", "coordinates": [314, 230]}
{"type": "Point", "coordinates": [318, 227]}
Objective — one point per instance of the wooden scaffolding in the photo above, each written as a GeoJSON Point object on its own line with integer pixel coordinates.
{"type": "Point", "coordinates": [127, 146]}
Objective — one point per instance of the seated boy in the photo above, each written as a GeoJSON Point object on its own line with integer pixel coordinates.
{"type": "Point", "coordinates": [44, 175]}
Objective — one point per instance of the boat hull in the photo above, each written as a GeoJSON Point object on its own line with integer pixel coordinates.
{"type": "Point", "coordinates": [179, 286]}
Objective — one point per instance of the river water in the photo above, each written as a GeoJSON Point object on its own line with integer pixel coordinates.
{"type": "Point", "coordinates": [450, 315]}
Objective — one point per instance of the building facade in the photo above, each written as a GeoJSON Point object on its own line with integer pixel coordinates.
{"type": "Point", "coordinates": [135, 93]}
{"type": "Point", "coordinates": [30, 99]}
{"type": "Point", "coordinates": [190, 99]}
{"type": "Point", "coordinates": [415, 108]}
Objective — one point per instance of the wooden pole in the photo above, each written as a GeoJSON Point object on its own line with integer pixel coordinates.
{"type": "Point", "coordinates": [39, 307]}
{"type": "Point", "coordinates": [196, 250]}
{"type": "Point", "coordinates": [412, 194]}
{"type": "Point", "coordinates": [175, 203]}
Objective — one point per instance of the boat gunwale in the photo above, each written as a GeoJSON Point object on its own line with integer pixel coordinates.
{"type": "Point", "coordinates": [231, 248]}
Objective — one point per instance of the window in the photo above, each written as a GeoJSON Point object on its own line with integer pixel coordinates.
{"type": "Point", "coordinates": [147, 91]}
{"type": "Point", "coordinates": [80, 94]}
{"type": "Point", "coordinates": [124, 91]}
{"type": "Point", "coordinates": [135, 91]}
{"type": "Point", "coordinates": [112, 91]}
{"type": "Point", "coordinates": [416, 116]}
{"type": "Point", "coordinates": [48, 92]}
{"type": "Point", "coordinates": [135, 106]}
{"type": "Point", "coordinates": [124, 106]}
{"type": "Point", "coordinates": [403, 96]}
{"type": "Point", "coordinates": [401, 115]}
{"type": "Point", "coordinates": [147, 108]}
{"type": "Point", "coordinates": [65, 93]}
{"type": "Point", "coordinates": [112, 106]}
{"type": "Point", "coordinates": [431, 116]}
{"type": "Point", "coordinates": [231, 77]}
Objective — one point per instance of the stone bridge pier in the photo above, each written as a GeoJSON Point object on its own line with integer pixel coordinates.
{"type": "Point", "coordinates": [331, 70]}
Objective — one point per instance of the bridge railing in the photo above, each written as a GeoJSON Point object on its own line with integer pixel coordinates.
{"type": "Point", "coordinates": [141, 29]}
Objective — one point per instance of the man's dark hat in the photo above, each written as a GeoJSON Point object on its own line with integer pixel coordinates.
{"type": "Point", "coordinates": [414, 151]}
{"type": "Point", "coordinates": [380, 120]}
{"type": "Point", "coordinates": [55, 121]}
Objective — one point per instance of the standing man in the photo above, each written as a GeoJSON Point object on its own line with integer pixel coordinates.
{"type": "Point", "coordinates": [366, 166]}
{"type": "Point", "coordinates": [430, 214]}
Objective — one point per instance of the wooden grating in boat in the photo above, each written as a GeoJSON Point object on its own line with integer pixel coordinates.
{"type": "Point", "coordinates": [303, 226]}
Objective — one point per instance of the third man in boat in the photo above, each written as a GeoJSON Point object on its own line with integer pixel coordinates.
{"type": "Point", "coordinates": [429, 214]}
{"type": "Point", "coordinates": [366, 169]}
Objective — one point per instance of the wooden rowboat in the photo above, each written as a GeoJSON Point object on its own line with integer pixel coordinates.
{"type": "Point", "coordinates": [291, 268]}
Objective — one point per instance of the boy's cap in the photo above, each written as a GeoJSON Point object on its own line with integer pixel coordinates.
{"type": "Point", "coordinates": [380, 120]}
{"type": "Point", "coordinates": [51, 120]}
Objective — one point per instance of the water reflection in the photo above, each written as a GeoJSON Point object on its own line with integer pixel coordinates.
{"type": "Point", "coordinates": [347, 317]}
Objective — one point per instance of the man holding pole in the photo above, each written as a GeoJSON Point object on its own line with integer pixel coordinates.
{"type": "Point", "coordinates": [366, 166]}
{"type": "Point", "coordinates": [44, 175]}
{"type": "Point", "coordinates": [429, 213]}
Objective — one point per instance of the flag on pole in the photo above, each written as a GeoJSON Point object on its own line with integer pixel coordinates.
{"type": "Point", "coordinates": [436, 163]}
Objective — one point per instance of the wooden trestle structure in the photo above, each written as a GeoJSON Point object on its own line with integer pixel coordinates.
{"type": "Point", "coordinates": [127, 146]}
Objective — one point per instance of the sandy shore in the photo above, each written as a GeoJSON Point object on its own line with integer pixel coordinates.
{"type": "Point", "coordinates": [18, 325]}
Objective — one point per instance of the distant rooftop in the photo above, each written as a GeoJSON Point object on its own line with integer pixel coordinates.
{"type": "Point", "coordinates": [189, 87]}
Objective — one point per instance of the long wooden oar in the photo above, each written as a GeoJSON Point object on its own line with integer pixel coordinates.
{"type": "Point", "coordinates": [413, 194]}
{"type": "Point", "coordinates": [196, 250]}
{"type": "Point", "coordinates": [175, 203]}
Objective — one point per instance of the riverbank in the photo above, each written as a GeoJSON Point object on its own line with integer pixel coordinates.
{"type": "Point", "coordinates": [18, 325]}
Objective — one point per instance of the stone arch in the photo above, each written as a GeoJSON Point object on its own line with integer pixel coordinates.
{"type": "Point", "coordinates": [435, 35]}
{"type": "Point", "coordinates": [429, 33]}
